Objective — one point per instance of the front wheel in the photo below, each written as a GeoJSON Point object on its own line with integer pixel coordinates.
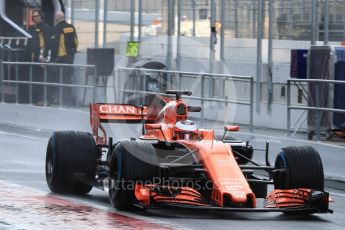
{"type": "Point", "coordinates": [303, 168]}
{"type": "Point", "coordinates": [130, 162]}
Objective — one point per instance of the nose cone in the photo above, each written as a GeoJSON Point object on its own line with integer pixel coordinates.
{"type": "Point", "coordinates": [230, 187]}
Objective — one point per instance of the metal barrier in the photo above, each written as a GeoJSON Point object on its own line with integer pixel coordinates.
{"type": "Point", "coordinates": [17, 41]}
{"type": "Point", "coordinates": [14, 68]}
{"type": "Point", "coordinates": [8, 69]}
{"type": "Point", "coordinates": [299, 84]}
{"type": "Point", "coordinates": [179, 76]}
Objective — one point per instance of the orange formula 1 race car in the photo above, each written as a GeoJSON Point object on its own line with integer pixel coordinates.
{"type": "Point", "coordinates": [178, 165]}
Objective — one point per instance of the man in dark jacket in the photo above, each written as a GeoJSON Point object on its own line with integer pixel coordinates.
{"type": "Point", "coordinates": [64, 40]}
{"type": "Point", "coordinates": [38, 51]}
{"type": "Point", "coordinates": [39, 43]}
{"type": "Point", "coordinates": [64, 46]}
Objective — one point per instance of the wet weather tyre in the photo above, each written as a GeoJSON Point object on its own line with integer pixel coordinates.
{"type": "Point", "coordinates": [303, 167]}
{"type": "Point", "coordinates": [131, 162]}
{"type": "Point", "coordinates": [70, 156]}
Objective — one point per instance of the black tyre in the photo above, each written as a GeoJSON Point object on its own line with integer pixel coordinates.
{"type": "Point", "coordinates": [131, 162]}
{"type": "Point", "coordinates": [70, 155]}
{"type": "Point", "coordinates": [303, 167]}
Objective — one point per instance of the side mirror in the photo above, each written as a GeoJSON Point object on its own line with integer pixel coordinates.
{"type": "Point", "coordinates": [153, 126]}
{"type": "Point", "coordinates": [231, 128]}
{"type": "Point", "coordinates": [156, 127]}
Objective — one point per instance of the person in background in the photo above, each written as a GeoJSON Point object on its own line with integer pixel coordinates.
{"type": "Point", "coordinates": [64, 40]}
{"type": "Point", "coordinates": [38, 45]}
{"type": "Point", "coordinates": [38, 51]}
{"type": "Point", "coordinates": [64, 47]}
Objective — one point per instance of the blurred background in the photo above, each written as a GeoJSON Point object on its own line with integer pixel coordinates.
{"type": "Point", "coordinates": [267, 41]}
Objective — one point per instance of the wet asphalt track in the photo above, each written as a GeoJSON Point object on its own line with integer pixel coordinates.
{"type": "Point", "coordinates": [22, 156]}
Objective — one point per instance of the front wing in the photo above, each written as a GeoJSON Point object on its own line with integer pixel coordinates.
{"type": "Point", "coordinates": [291, 210]}
{"type": "Point", "coordinates": [293, 201]}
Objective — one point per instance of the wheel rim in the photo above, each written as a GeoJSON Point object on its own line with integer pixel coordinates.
{"type": "Point", "coordinates": [281, 163]}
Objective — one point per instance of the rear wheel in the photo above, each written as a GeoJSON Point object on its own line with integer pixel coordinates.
{"type": "Point", "coordinates": [130, 162]}
{"type": "Point", "coordinates": [70, 156]}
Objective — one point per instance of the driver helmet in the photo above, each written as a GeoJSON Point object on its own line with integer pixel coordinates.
{"type": "Point", "coordinates": [186, 130]}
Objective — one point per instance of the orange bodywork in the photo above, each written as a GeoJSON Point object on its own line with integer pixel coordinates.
{"type": "Point", "coordinates": [287, 198]}
{"type": "Point", "coordinates": [185, 195]}
{"type": "Point", "coordinates": [228, 181]}
{"type": "Point", "coordinates": [217, 158]}
{"type": "Point", "coordinates": [222, 169]}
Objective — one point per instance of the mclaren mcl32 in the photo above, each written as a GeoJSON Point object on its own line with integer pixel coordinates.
{"type": "Point", "coordinates": [175, 164]}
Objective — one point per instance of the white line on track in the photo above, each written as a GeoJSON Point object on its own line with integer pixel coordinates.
{"type": "Point", "coordinates": [23, 136]}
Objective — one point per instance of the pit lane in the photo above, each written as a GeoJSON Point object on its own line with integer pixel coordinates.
{"type": "Point", "coordinates": [26, 202]}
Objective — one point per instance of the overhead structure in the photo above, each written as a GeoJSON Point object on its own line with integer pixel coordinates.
{"type": "Point", "coordinates": [5, 20]}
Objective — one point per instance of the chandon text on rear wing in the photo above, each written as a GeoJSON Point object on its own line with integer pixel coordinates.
{"type": "Point", "coordinates": [105, 113]}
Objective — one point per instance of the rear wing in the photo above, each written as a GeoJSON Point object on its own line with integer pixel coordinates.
{"type": "Point", "coordinates": [106, 113]}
